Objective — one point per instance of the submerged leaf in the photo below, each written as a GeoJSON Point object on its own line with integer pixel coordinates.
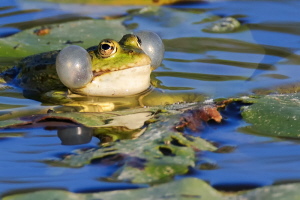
{"type": "Point", "coordinates": [224, 25]}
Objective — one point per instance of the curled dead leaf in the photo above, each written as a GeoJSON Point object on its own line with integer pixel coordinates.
{"type": "Point", "coordinates": [210, 112]}
{"type": "Point", "coordinates": [193, 119]}
{"type": "Point", "coordinates": [42, 31]}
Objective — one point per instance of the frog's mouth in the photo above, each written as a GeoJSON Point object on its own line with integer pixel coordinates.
{"type": "Point", "coordinates": [122, 82]}
{"type": "Point", "coordinates": [99, 73]}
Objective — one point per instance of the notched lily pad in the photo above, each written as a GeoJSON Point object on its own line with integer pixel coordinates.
{"type": "Point", "coordinates": [275, 115]}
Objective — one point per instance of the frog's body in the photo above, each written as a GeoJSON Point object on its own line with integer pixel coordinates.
{"type": "Point", "coordinates": [117, 69]}
{"type": "Point", "coordinates": [36, 73]}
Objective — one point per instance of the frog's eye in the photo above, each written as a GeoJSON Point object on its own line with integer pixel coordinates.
{"type": "Point", "coordinates": [107, 48]}
{"type": "Point", "coordinates": [153, 46]}
{"type": "Point", "coordinates": [74, 66]}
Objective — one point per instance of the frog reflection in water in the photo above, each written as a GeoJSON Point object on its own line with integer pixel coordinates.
{"type": "Point", "coordinates": [110, 69]}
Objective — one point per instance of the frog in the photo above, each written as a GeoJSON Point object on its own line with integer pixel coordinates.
{"type": "Point", "coordinates": [117, 75]}
{"type": "Point", "coordinates": [117, 69]}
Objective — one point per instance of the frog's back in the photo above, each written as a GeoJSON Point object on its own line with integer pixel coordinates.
{"type": "Point", "coordinates": [38, 73]}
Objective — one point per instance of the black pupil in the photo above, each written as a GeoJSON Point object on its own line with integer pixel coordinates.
{"type": "Point", "coordinates": [105, 46]}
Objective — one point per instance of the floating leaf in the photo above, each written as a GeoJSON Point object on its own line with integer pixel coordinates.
{"type": "Point", "coordinates": [275, 115]}
{"type": "Point", "coordinates": [185, 189]}
{"type": "Point", "coordinates": [85, 33]}
{"type": "Point", "coordinates": [274, 192]}
{"type": "Point", "coordinates": [282, 89]}
{"type": "Point", "coordinates": [193, 119]}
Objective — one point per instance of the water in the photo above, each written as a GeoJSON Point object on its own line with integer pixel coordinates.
{"type": "Point", "coordinates": [264, 54]}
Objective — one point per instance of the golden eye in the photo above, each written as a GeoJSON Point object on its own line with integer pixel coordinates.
{"type": "Point", "coordinates": [107, 48]}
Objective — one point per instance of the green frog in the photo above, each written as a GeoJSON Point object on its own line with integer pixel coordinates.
{"type": "Point", "coordinates": [110, 69]}
{"type": "Point", "coordinates": [111, 76]}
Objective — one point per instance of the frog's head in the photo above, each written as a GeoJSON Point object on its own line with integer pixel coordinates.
{"type": "Point", "coordinates": [111, 69]}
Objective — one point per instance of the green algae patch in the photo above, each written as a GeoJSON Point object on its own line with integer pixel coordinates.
{"type": "Point", "coordinates": [274, 115]}
{"type": "Point", "coordinates": [185, 189]}
{"type": "Point", "coordinates": [156, 155]}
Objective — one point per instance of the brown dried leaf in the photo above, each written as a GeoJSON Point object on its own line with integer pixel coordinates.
{"type": "Point", "coordinates": [193, 119]}
{"type": "Point", "coordinates": [210, 112]}
{"type": "Point", "coordinates": [42, 31]}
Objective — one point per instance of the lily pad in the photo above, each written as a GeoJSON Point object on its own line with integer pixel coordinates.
{"type": "Point", "coordinates": [275, 115]}
{"type": "Point", "coordinates": [85, 33]}
{"type": "Point", "coordinates": [281, 89]}
{"type": "Point", "coordinates": [274, 192]}
{"type": "Point", "coordinates": [185, 189]}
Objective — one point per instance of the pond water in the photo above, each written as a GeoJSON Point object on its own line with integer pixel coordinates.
{"type": "Point", "coordinates": [261, 55]}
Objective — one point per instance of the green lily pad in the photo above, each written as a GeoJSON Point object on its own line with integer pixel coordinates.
{"type": "Point", "coordinates": [185, 189]}
{"type": "Point", "coordinates": [85, 33]}
{"type": "Point", "coordinates": [282, 89]}
{"type": "Point", "coordinates": [274, 192]}
{"type": "Point", "coordinates": [275, 115]}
